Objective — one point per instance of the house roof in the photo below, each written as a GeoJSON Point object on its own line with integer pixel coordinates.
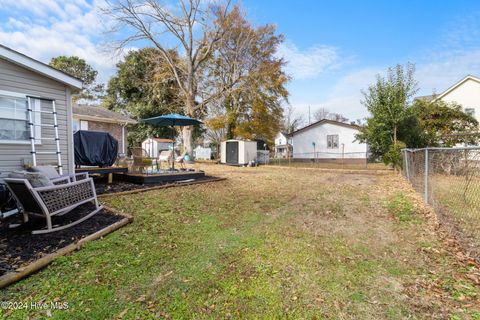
{"type": "Point", "coordinates": [39, 67]}
{"type": "Point", "coordinates": [100, 114]}
{"type": "Point", "coordinates": [324, 121]}
{"type": "Point", "coordinates": [453, 87]}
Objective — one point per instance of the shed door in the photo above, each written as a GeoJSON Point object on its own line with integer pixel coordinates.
{"type": "Point", "coordinates": [232, 152]}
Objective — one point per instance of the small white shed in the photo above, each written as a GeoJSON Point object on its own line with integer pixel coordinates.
{"type": "Point", "coordinates": [153, 146]}
{"type": "Point", "coordinates": [201, 153]}
{"type": "Point", "coordinates": [238, 152]}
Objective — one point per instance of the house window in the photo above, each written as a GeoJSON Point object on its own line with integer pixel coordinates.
{"type": "Point", "coordinates": [332, 141]}
{"type": "Point", "coordinates": [79, 125]}
{"type": "Point", "coordinates": [14, 118]}
{"type": "Point", "coordinates": [470, 111]}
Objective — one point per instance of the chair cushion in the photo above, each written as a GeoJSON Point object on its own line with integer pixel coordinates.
{"type": "Point", "coordinates": [36, 179]}
{"type": "Point", "coordinates": [48, 171]}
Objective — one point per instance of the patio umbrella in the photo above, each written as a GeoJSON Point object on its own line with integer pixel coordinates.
{"type": "Point", "coordinates": [172, 120]}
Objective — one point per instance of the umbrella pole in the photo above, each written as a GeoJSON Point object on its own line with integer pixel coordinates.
{"type": "Point", "coordinates": [173, 151]}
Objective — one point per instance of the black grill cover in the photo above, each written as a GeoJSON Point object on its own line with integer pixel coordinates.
{"type": "Point", "coordinates": [93, 148]}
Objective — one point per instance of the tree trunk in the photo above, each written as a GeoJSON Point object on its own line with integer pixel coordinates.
{"type": "Point", "coordinates": [231, 131]}
{"type": "Point", "coordinates": [187, 139]}
{"type": "Point", "coordinates": [188, 130]}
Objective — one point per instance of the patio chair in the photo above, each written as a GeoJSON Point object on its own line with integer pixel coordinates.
{"type": "Point", "coordinates": [138, 156]}
{"type": "Point", "coordinates": [55, 177]}
{"type": "Point", "coordinates": [181, 160]}
{"type": "Point", "coordinates": [52, 200]}
{"type": "Point", "coordinates": [164, 156]}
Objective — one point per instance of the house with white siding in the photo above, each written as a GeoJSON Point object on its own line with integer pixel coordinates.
{"type": "Point", "coordinates": [329, 141]}
{"type": "Point", "coordinates": [283, 146]}
{"type": "Point", "coordinates": [25, 79]}
{"type": "Point", "coordinates": [465, 92]}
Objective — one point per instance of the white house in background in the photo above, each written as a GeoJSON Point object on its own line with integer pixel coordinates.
{"type": "Point", "coordinates": [329, 141]}
{"type": "Point", "coordinates": [465, 92]}
{"type": "Point", "coordinates": [283, 146]}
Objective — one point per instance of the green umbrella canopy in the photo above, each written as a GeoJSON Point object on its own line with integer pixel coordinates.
{"type": "Point", "coordinates": [172, 120]}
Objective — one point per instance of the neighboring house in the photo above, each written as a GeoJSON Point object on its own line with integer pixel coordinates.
{"type": "Point", "coordinates": [22, 77]}
{"type": "Point", "coordinates": [329, 140]}
{"type": "Point", "coordinates": [465, 92]}
{"type": "Point", "coordinates": [283, 146]}
{"type": "Point", "coordinates": [96, 118]}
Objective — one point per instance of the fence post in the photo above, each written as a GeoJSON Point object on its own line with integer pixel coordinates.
{"type": "Point", "coordinates": [425, 182]}
{"type": "Point", "coordinates": [407, 169]}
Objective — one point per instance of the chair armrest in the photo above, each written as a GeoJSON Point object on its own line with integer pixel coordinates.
{"type": "Point", "coordinates": [79, 176]}
{"type": "Point", "coordinates": [60, 180]}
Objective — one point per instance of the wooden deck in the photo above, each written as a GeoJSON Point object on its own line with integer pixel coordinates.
{"type": "Point", "coordinates": [105, 170]}
{"type": "Point", "coordinates": [157, 178]}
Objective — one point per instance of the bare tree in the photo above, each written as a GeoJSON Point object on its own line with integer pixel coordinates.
{"type": "Point", "coordinates": [185, 30]}
{"type": "Point", "coordinates": [323, 113]}
{"type": "Point", "coordinates": [291, 120]}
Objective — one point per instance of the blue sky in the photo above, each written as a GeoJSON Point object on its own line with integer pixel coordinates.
{"type": "Point", "coordinates": [334, 49]}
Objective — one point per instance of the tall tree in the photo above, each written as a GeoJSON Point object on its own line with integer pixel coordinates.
{"type": "Point", "coordinates": [79, 68]}
{"type": "Point", "coordinates": [388, 102]}
{"type": "Point", "coordinates": [443, 124]}
{"type": "Point", "coordinates": [244, 60]}
{"type": "Point", "coordinates": [188, 25]}
{"type": "Point", "coordinates": [143, 87]}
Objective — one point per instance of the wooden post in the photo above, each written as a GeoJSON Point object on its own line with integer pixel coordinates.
{"type": "Point", "coordinates": [110, 178]}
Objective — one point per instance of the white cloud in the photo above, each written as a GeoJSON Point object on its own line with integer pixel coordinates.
{"type": "Point", "coordinates": [308, 63]}
{"type": "Point", "coordinates": [55, 27]}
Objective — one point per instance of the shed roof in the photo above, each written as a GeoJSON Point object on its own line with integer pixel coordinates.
{"type": "Point", "coordinates": [163, 140]}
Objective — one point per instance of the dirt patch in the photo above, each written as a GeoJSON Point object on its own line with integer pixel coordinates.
{"type": "Point", "coordinates": [19, 247]}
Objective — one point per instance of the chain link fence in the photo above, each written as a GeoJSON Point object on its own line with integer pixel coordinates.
{"type": "Point", "coordinates": [449, 180]}
{"type": "Point", "coordinates": [332, 160]}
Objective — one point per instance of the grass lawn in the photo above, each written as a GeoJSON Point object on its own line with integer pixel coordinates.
{"type": "Point", "coordinates": [266, 243]}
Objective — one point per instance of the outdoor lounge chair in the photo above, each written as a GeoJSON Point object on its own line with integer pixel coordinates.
{"type": "Point", "coordinates": [51, 200]}
{"type": "Point", "coordinates": [55, 177]}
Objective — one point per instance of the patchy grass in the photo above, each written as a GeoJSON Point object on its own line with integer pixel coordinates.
{"type": "Point", "coordinates": [266, 243]}
{"type": "Point", "coordinates": [402, 208]}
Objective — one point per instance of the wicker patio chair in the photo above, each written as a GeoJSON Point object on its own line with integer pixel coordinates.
{"type": "Point", "coordinates": [55, 177]}
{"type": "Point", "coordinates": [53, 200]}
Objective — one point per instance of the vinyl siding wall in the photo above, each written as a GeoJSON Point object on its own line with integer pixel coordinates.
{"type": "Point", "coordinates": [303, 148]}
{"type": "Point", "coordinates": [14, 78]}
